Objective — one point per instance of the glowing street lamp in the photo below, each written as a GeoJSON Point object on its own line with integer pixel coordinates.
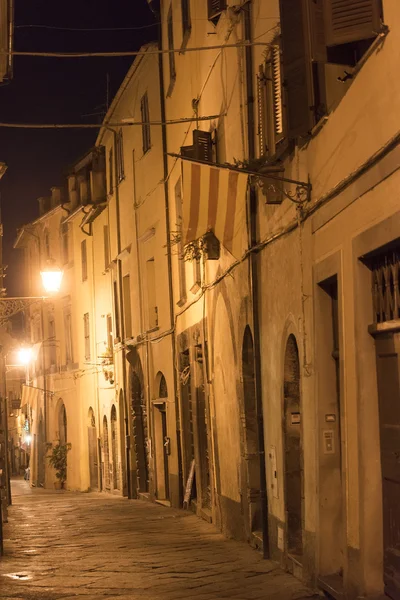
{"type": "Point", "coordinates": [51, 279]}
{"type": "Point", "coordinates": [24, 356]}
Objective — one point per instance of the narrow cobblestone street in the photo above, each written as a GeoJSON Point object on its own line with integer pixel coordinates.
{"type": "Point", "coordinates": [91, 546]}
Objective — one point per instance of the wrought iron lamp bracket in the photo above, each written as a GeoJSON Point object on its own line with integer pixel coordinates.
{"type": "Point", "coordinates": [300, 195]}
{"type": "Point", "coordinates": [12, 306]}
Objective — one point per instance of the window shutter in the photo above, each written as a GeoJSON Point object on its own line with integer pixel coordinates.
{"type": "Point", "coordinates": [297, 74]}
{"type": "Point", "coordinates": [351, 20]}
{"type": "Point", "coordinates": [262, 111]}
{"type": "Point", "coordinates": [215, 7]}
{"type": "Point", "coordinates": [202, 143]}
{"type": "Point", "coordinates": [187, 151]}
{"type": "Point", "coordinates": [318, 43]}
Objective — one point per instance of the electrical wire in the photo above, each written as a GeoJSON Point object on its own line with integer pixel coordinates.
{"type": "Point", "coordinates": [242, 44]}
{"type": "Point", "coordinates": [101, 125]}
{"type": "Point", "coordinates": [57, 28]}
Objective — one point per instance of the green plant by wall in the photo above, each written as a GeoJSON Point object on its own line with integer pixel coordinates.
{"type": "Point", "coordinates": [58, 460]}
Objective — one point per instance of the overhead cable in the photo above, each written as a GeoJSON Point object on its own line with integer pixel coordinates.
{"type": "Point", "coordinates": [242, 44]}
{"type": "Point", "coordinates": [59, 28]}
{"type": "Point", "coordinates": [106, 125]}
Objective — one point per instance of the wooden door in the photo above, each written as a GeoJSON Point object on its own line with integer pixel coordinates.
{"type": "Point", "coordinates": [388, 367]}
{"type": "Point", "coordinates": [93, 465]}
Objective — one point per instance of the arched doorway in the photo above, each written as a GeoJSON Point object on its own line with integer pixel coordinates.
{"type": "Point", "coordinates": [251, 449]}
{"type": "Point", "coordinates": [293, 445]}
{"type": "Point", "coordinates": [161, 440]}
{"type": "Point", "coordinates": [140, 433]}
{"type": "Point", "coordinates": [92, 447]}
{"type": "Point", "coordinates": [114, 449]}
{"type": "Point", "coordinates": [106, 456]}
{"type": "Point", "coordinates": [62, 424]}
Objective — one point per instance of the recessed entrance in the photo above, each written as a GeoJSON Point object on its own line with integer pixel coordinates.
{"type": "Point", "coordinates": [161, 441]}
{"type": "Point", "coordinates": [106, 456]}
{"type": "Point", "coordinates": [92, 446]}
{"type": "Point", "coordinates": [114, 449]}
{"type": "Point", "coordinates": [293, 451]}
{"type": "Point", "coordinates": [251, 453]}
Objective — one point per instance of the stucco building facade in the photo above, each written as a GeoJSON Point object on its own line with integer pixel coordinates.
{"type": "Point", "coordinates": [230, 354]}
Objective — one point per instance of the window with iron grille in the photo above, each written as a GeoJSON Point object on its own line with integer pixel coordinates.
{"type": "Point", "coordinates": [86, 333]}
{"type": "Point", "coordinates": [146, 131]}
{"type": "Point", "coordinates": [385, 285]}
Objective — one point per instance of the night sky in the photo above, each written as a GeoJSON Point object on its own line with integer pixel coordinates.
{"type": "Point", "coordinates": [55, 90]}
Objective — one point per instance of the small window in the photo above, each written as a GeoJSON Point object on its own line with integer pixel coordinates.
{"type": "Point", "coordinates": [170, 26]}
{"type": "Point", "coordinates": [215, 8]}
{"type": "Point", "coordinates": [84, 260]}
{"type": "Point", "coordinates": [270, 103]}
{"type": "Point", "coordinates": [145, 114]}
{"type": "Point", "coordinates": [110, 172]}
{"type": "Point", "coordinates": [126, 284]}
{"type": "Point", "coordinates": [52, 341]}
{"type": "Point", "coordinates": [47, 243]}
{"type": "Point", "coordinates": [86, 333]}
{"type": "Point", "coordinates": [186, 21]}
{"type": "Point", "coordinates": [106, 247]}
{"type": "Point", "coordinates": [110, 340]}
{"type": "Point", "coordinates": [116, 312]}
{"type": "Point", "coordinates": [151, 294]}
{"type": "Point", "coordinates": [179, 233]}
{"type": "Point", "coordinates": [64, 243]}
{"type": "Point", "coordinates": [68, 335]}
{"type": "Point", "coordinates": [120, 156]}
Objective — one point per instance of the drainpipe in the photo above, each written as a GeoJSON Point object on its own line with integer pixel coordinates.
{"type": "Point", "coordinates": [254, 279]}
{"type": "Point", "coordinates": [121, 311]}
{"type": "Point", "coordinates": [168, 232]}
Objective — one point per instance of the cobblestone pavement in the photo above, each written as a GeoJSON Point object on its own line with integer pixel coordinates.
{"type": "Point", "coordinates": [63, 545]}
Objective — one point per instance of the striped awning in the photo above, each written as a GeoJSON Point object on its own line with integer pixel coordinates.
{"type": "Point", "coordinates": [214, 199]}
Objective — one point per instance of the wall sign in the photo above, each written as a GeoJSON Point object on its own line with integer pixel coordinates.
{"type": "Point", "coordinates": [329, 441]}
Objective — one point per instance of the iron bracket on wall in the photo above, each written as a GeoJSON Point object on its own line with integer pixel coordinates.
{"type": "Point", "coordinates": [14, 305]}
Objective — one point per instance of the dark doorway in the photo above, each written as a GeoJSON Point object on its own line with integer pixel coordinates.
{"type": "Point", "coordinates": [161, 441]}
{"type": "Point", "coordinates": [388, 371]}
{"type": "Point", "coordinates": [92, 446]}
{"type": "Point", "coordinates": [293, 450]}
{"type": "Point", "coordinates": [251, 450]}
{"type": "Point", "coordinates": [106, 456]}
{"type": "Point", "coordinates": [140, 433]}
{"type": "Point", "coordinates": [62, 424]}
{"type": "Point", "coordinates": [114, 448]}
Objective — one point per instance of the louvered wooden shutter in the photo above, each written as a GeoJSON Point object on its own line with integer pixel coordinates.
{"type": "Point", "coordinates": [202, 143]}
{"type": "Point", "coordinates": [297, 72]}
{"type": "Point", "coordinates": [351, 20]}
{"type": "Point", "coordinates": [318, 43]}
{"type": "Point", "coordinates": [262, 111]}
{"type": "Point", "coordinates": [215, 7]}
{"type": "Point", "coordinates": [187, 151]}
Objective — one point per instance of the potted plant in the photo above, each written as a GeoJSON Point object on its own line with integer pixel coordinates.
{"type": "Point", "coordinates": [58, 460]}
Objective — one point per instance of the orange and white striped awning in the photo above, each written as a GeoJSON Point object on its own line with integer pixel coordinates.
{"type": "Point", "coordinates": [214, 199]}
